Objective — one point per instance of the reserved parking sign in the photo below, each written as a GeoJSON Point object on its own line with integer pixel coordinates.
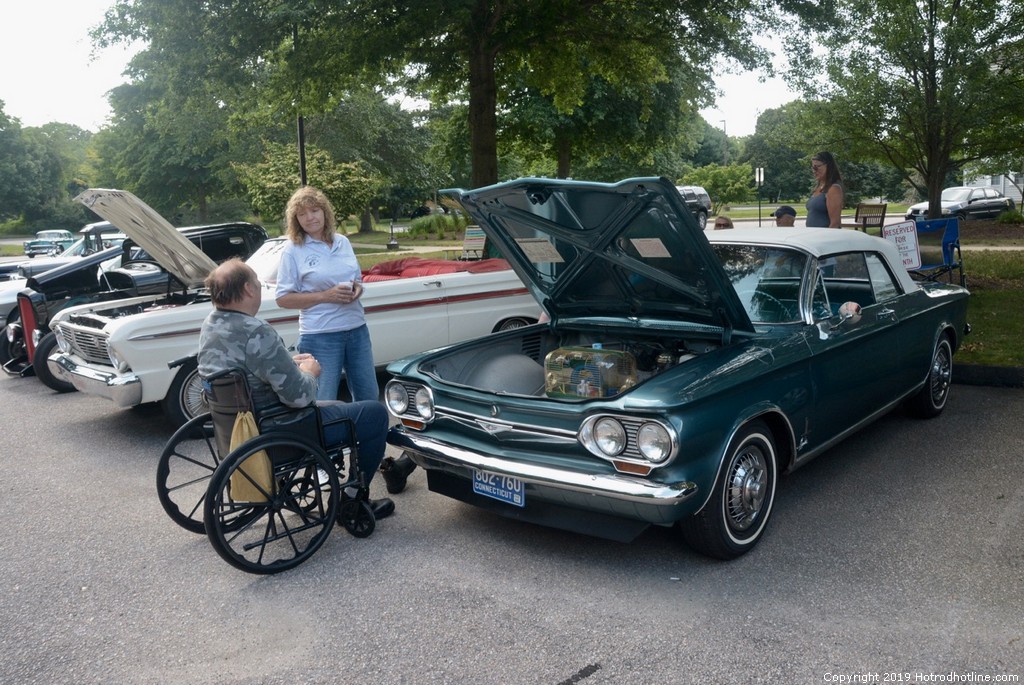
{"type": "Point", "coordinates": [904, 236]}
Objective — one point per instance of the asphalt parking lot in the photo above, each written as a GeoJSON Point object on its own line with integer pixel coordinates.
{"type": "Point", "coordinates": [896, 556]}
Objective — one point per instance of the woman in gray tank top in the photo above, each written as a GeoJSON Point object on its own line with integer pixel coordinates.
{"type": "Point", "coordinates": [825, 207]}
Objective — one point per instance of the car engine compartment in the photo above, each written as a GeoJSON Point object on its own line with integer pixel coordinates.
{"type": "Point", "coordinates": [566, 365]}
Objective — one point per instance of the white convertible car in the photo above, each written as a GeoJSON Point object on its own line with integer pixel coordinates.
{"type": "Point", "coordinates": [120, 349]}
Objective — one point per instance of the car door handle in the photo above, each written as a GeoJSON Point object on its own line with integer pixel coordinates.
{"type": "Point", "coordinates": [886, 314]}
{"type": "Point", "coordinates": [436, 284]}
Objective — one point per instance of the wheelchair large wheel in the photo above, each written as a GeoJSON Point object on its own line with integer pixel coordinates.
{"type": "Point", "coordinates": [183, 473]}
{"type": "Point", "coordinates": [272, 523]}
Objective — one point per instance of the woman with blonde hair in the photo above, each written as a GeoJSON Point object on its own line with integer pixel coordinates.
{"type": "Point", "coordinates": [320, 276]}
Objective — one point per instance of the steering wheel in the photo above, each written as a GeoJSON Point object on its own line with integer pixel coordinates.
{"type": "Point", "coordinates": [751, 293]}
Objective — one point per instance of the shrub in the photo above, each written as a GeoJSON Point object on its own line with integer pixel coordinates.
{"type": "Point", "coordinates": [437, 224]}
{"type": "Point", "coordinates": [1011, 216]}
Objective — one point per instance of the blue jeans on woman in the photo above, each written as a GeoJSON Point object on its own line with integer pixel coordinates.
{"type": "Point", "coordinates": [348, 351]}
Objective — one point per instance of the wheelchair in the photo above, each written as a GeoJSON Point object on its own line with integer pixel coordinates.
{"type": "Point", "coordinates": [269, 504]}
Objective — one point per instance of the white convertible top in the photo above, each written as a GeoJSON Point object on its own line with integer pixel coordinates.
{"type": "Point", "coordinates": [818, 242]}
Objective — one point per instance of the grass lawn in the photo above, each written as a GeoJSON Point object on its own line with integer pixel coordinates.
{"type": "Point", "coordinates": [748, 210]}
{"type": "Point", "coordinates": [996, 308]}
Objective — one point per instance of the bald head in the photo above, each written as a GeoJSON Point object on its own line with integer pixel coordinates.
{"type": "Point", "coordinates": [233, 285]}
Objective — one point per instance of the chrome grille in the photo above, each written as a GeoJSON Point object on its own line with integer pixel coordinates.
{"type": "Point", "coordinates": [89, 345]}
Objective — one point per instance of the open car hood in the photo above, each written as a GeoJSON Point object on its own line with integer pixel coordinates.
{"type": "Point", "coordinates": [173, 251]}
{"type": "Point", "coordinates": [628, 253]}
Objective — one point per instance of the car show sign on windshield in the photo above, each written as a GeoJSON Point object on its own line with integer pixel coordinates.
{"type": "Point", "coordinates": [904, 236]}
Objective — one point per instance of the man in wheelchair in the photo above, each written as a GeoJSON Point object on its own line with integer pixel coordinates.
{"type": "Point", "coordinates": [233, 338]}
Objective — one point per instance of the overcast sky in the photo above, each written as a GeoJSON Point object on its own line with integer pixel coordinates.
{"type": "Point", "coordinates": [49, 73]}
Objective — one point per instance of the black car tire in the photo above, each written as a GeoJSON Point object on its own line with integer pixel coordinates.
{"type": "Point", "coordinates": [184, 401]}
{"type": "Point", "coordinates": [931, 399]}
{"type": "Point", "coordinates": [47, 344]}
{"type": "Point", "coordinates": [702, 220]}
{"type": "Point", "coordinates": [737, 513]}
{"type": "Point", "coordinates": [5, 346]}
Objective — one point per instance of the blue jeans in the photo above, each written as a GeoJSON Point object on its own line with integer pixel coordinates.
{"type": "Point", "coordinates": [371, 423]}
{"type": "Point", "coordinates": [348, 351]}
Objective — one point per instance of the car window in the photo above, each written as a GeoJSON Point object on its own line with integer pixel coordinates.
{"type": "Point", "coordinates": [767, 280]}
{"type": "Point", "coordinates": [821, 308]}
{"type": "Point", "coordinates": [266, 260]}
{"type": "Point", "coordinates": [991, 193]}
{"type": "Point", "coordinates": [882, 282]}
{"type": "Point", "coordinates": [955, 194]}
{"type": "Point", "coordinates": [857, 277]}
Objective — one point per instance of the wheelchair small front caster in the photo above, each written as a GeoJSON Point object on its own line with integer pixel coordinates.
{"type": "Point", "coordinates": [356, 515]}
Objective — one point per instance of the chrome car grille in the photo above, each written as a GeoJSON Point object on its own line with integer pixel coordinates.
{"type": "Point", "coordinates": [89, 345]}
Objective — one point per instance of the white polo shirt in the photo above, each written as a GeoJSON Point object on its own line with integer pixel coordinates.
{"type": "Point", "coordinates": [315, 266]}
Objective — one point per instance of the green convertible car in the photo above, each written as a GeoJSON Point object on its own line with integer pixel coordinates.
{"type": "Point", "coordinates": [680, 371]}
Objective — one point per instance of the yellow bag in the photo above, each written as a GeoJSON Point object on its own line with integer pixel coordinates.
{"type": "Point", "coordinates": [257, 467]}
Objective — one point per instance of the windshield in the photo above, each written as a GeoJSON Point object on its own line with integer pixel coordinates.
{"type": "Point", "coordinates": [265, 260]}
{"type": "Point", "coordinates": [955, 194]}
{"type": "Point", "coordinates": [767, 280]}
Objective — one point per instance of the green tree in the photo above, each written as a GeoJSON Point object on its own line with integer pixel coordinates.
{"type": "Point", "coordinates": [775, 147]}
{"type": "Point", "coordinates": [365, 128]}
{"type": "Point", "coordinates": [40, 169]}
{"type": "Point", "coordinates": [298, 57]}
{"type": "Point", "coordinates": [725, 184]}
{"type": "Point", "coordinates": [926, 86]}
{"type": "Point", "coordinates": [349, 185]}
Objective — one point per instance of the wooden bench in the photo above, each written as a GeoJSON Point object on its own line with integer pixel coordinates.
{"type": "Point", "coordinates": [868, 215]}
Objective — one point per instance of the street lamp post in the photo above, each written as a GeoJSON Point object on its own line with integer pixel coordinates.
{"type": "Point", "coordinates": [759, 180]}
{"type": "Point", "coordinates": [725, 145]}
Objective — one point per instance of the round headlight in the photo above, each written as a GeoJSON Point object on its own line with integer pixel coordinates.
{"type": "Point", "coordinates": [119, 364]}
{"type": "Point", "coordinates": [654, 441]}
{"type": "Point", "coordinates": [424, 404]}
{"type": "Point", "coordinates": [609, 436]}
{"type": "Point", "coordinates": [397, 398]}
{"type": "Point", "coordinates": [62, 343]}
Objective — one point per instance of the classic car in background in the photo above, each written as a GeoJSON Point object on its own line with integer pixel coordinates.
{"type": "Point", "coordinates": [680, 372]}
{"type": "Point", "coordinates": [966, 202]}
{"type": "Point", "coordinates": [120, 349]}
{"type": "Point", "coordinates": [92, 239]}
{"type": "Point", "coordinates": [116, 273]}
{"type": "Point", "coordinates": [48, 242]}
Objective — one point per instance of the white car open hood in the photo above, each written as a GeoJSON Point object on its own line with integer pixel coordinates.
{"type": "Point", "coordinates": [173, 251]}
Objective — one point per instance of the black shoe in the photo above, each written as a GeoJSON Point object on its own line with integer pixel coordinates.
{"type": "Point", "coordinates": [382, 508]}
{"type": "Point", "coordinates": [396, 472]}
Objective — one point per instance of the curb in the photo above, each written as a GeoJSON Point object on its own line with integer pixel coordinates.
{"type": "Point", "coordinates": [995, 376]}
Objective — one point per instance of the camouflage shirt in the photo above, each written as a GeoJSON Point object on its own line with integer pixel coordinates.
{"type": "Point", "coordinates": [233, 340]}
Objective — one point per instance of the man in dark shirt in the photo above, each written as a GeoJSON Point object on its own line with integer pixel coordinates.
{"type": "Point", "coordinates": [233, 338]}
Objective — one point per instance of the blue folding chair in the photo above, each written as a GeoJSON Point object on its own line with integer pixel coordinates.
{"type": "Point", "coordinates": [952, 260]}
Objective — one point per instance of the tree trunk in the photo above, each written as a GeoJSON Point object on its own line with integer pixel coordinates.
{"type": "Point", "coordinates": [483, 95]}
{"type": "Point", "coordinates": [366, 221]}
{"type": "Point", "coordinates": [564, 150]}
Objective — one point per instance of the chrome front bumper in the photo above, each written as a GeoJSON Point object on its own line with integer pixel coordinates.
{"type": "Point", "coordinates": [124, 391]}
{"type": "Point", "coordinates": [637, 492]}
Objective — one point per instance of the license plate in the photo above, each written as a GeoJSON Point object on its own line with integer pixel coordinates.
{"type": "Point", "coordinates": [502, 488]}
